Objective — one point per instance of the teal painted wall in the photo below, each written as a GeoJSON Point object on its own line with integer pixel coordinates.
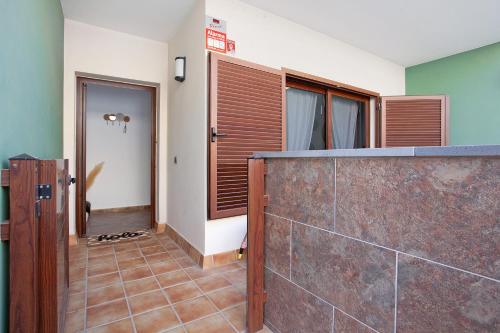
{"type": "Point", "coordinates": [472, 80]}
{"type": "Point", "coordinates": [31, 94]}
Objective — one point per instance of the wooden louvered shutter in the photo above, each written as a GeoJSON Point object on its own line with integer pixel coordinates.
{"type": "Point", "coordinates": [409, 121]}
{"type": "Point", "coordinates": [246, 116]}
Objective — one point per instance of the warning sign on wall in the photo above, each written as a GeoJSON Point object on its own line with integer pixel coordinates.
{"type": "Point", "coordinates": [215, 34]}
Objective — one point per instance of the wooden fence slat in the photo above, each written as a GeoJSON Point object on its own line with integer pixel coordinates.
{"type": "Point", "coordinates": [255, 230]}
{"type": "Point", "coordinates": [24, 246]}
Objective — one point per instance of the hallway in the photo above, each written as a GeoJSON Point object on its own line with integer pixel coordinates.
{"type": "Point", "coordinates": [117, 222]}
{"type": "Point", "coordinates": [152, 286]}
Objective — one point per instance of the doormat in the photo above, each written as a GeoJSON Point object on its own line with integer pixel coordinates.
{"type": "Point", "coordinates": [109, 239]}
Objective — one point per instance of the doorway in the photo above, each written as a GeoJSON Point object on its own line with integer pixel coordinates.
{"type": "Point", "coordinates": [116, 156]}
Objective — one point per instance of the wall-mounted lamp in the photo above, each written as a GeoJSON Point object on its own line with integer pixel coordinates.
{"type": "Point", "coordinates": [112, 117]}
{"type": "Point", "coordinates": [180, 68]}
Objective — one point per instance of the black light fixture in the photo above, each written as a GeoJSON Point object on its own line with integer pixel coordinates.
{"type": "Point", "coordinates": [180, 68]}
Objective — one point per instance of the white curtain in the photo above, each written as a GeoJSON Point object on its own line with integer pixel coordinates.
{"type": "Point", "coordinates": [300, 111]}
{"type": "Point", "coordinates": [345, 114]}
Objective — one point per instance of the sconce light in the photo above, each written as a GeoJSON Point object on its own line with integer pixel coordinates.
{"type": "Point", "coordinates": [112, 117]}
{"type": "Point", "coordinates": [180, 68]}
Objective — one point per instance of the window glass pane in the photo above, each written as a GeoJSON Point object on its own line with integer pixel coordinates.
{"type": "Point", "coordinates": [348, 123]}
{"type": "Point", "coordinates": [305, 120]}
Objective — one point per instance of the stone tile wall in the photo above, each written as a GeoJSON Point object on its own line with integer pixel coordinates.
{"type": "Point", "coordinates": [396, 244]}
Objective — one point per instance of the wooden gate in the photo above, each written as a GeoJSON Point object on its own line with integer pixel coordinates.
{"type": "Point", "coordinates": [37, 232]}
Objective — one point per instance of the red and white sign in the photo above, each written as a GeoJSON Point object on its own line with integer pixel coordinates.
{"type": "Point", "coordinates": [215, 40]}
{"type": "Point", "coordinates": [215, 34]}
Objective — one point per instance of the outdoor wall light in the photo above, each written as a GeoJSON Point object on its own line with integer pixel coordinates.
{"type": "Point", "coordinates": [180, 68]}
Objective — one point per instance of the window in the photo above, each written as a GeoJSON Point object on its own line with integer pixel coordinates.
{"type": "Point", "coordinates": [319, 117]}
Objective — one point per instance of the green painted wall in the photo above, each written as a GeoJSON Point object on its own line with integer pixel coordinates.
{"type": "Point", "coordinates": [472, 80]}
{"type": "Point", "coordinates": [31, 94]}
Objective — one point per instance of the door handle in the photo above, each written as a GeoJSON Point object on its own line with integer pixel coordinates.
{"type": "Point", "coordinates": [71, 180]}
{"type": "Point", "coordinates": [214, 134]}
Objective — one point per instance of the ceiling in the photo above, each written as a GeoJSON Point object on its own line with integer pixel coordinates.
{"type": "Point", "coordinates": [153, 19]}
{"type": "Point", "coordinates": [405, 32]}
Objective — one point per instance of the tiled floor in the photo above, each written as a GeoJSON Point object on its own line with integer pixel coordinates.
{"type": "Point", "coordinates": [116, 222]}
{"type": "Point", "coordinates": [152, 286]}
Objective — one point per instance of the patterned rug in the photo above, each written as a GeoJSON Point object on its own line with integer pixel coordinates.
{"type": "Point", "coordinates": [126, 236]}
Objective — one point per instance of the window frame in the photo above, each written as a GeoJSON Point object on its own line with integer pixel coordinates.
{"type": "Point", "coordinates": [330, 89]}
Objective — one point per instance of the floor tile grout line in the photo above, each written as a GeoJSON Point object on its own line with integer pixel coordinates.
{"type": "Point", "coordinates": [163, 291]}
{"type": "Point", "coordinates": [219, 274]}
{"type": "Point", "coordinates": [388, 248]}
{"type": "Point", "coordinates": [210, 300]}
{"type": "Point", "coordinates": [125, 294]}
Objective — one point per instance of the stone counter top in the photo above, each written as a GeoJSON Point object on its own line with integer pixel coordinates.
{"type": "Point", "coordinates": [448, 151]}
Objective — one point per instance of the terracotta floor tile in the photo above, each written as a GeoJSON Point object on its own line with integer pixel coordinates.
{"type": "Point", "coordinates": [212, 324]}
{"type": "Point", "coordinates": [122, 247]}
{"type": "Point", "coordinates": [78, 263]}
{"type": "Point", "coordinates": [147, 251]}
{"type": "Point", "coordinates": [77, 273]}
{"type": "Point", "coordinates": [226, 268]}
{"type": "Point", "coordinates": [74, 321]}
{"type": "Point", "coordinates": [104, 260]}
{"type": "Point", "coordinates": [159, 257]}
{"type": "Point", "coordinates": [186, 262]}
{"type": "Point", "coordinates": [169, 279]}
{"type": "Point", "coordinates": [122, 326]}
{"type": "Point", "coordinates": [226, 297]}
{"type": "Point", "coordinates": [237, 277]}
{"type": "Point", "coordinates": [177, 253]}
{"type": "Point", "coordinates": [100, 250]}
{"type": "Point", "coordinates": [196, 272]}
{"type": "Point", "coordinates": [194, 309]}
{"type": "Point", "coordinates": [106, 313]}
{"type": "Point", "coordinates": [237, 316]}
{"type": "Point", "coordinates": [170, 246]}
{"type": "Point", "coordinates": [106, 294]}
{"type": "Point", "coordinates": [211, 283]}
{"type": "Point", "coordinates": [179, 329]}
{"type": "Point", "coordinates": [77, 257]}
{"type": "Point", "coordinates": [148, 243]}
{"type": "Point", "coordinates": [141, 286]}
{"type": "Point", "coordinates": [182, 292]}
{"type": "Point", "coordinates": [164, 267]}
{"type": "Point", "coordinates": [128, 254]}
{"type": "Point", "coordinates": [136, 273]}
{"type": "Point", "coordinates": [131, 263]}
{"type": "Point", "coordinates": [148, 301]}
{"type": "Point", "coordinates": [104, 280]}
{"type": "Point", "coordinates": [76, 302]}
{"type": "Point", "coordinates": [156, 320]}
{"type": "Point", "coordinates": [76, 287]}
{"type": "Point", "coordinates": [102, 269]}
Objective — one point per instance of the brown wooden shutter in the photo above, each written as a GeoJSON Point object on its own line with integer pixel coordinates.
{"type": "Point", "coordinates": [246, 115]}
{"type": "Point", "coordinates": [409, 121]}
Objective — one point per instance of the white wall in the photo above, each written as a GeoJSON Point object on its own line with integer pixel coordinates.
{"type": "Point", "coordinates": [124, 180]}
{"type": "Point", "coordinates": [100, 51]}
{"type": "Point", "coordinates": [187, 121]}
{"type": "Point", "coordinates": [270, 40]}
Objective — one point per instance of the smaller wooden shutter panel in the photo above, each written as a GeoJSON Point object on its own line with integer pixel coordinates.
{"type": "Point", "coordinates": [246, 106]}
{"type": "Point", "coordinates": [409, 121]}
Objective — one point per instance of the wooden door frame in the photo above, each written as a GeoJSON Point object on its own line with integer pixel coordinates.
{"type": "Point", "coordinates": [82, 79]}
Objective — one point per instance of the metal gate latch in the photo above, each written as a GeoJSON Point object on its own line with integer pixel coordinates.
{"type": "Point", "coordinates": [43, 191]}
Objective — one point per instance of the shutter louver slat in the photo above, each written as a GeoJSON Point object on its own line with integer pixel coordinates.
{"type": "Point", "coordinates": [246, 104]}
{"type": "Point", "coordinates": [414, 121]}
